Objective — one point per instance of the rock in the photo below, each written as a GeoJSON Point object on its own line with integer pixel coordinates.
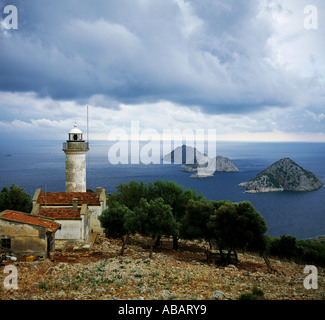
{"type": "Point", "coordinates": [143, 289]}
{"type": "Point", "coordinates": [61, 293]}
{"type": "Point", "coordinates": [283, 175]}
{"type": "Point", "coordinates": [216, 295]}
{"type": "Point", "coordinates": [215, 164]}
{"type": "Point", "coordinates": [186, 155]}
{"type": "Point", "coordinates": [203, 174]}
{"type": "Point", "coordinates": [231, 267]}
{"type": "Point", "coordinates": [172, 296]}
{"type": "Point", "coordinates": [164, 293]}
{"type": "Point", "coordinates": [224, 164]}
{"type": "Point", "coordinates": [194, 161]}
{"type": "Point", "coordinates": [62, 265]}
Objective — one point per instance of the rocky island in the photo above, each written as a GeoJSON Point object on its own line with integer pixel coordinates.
{"type": "Point", "coordinates": [283, 175]}
{"type": "Point", "coordinates": [193, 160]}
{"type": "Point", "coordinates": [188, 156]}
{"type": "Point", "coordinates": [215, 164]}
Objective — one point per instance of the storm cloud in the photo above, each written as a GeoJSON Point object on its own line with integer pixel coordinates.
{"type": "Point", "coordinates": [213, 56]}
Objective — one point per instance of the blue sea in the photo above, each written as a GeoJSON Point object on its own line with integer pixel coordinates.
{"type": "Point", "coordinates": [41, 164]}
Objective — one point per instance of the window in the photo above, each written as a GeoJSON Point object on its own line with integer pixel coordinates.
{"type": "Point", "coordinates": [6, 243]}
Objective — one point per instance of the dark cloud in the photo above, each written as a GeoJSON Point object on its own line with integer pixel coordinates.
{"type": "Point", "coordinates": [211, 53]}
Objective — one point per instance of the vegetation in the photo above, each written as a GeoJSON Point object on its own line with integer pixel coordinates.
{"type": "Point", "coordinates": [166, 209]}
{"type": "Point", "coordinates": [255, 294]}
{"type": "Point", "coordinates": [116, 222]}
{"type": "Point", "coordinates": [195, 222]}
{"type": "Point", "coordinates": [154, 219]}
{"type": "Point", "coordinates": [300, 251]}
{"type": "Point", "coordinates": [130, 195]}
{"type": "Point", "coordinates": [15, 198]}
{"type": "Point", "coordinates": [238, 226]}
{"type": "Point", "coordinates": [230, 226]}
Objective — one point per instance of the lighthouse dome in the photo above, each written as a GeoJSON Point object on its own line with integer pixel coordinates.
{"type": "Point", "coordinates": [75, 130]}
{"type": "Point", "coordinates": [75, 134]}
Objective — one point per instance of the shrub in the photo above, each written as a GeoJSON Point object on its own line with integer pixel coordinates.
{"type": "Point", "coordinates": [256, 294]}
{"type": "Point", "coordinates": [301, 251]}
{"type": "Point", "coordinates": [15, 198]}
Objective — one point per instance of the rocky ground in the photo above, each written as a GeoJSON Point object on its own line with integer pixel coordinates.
{"type": "Point", "coordinates": [99, 273]}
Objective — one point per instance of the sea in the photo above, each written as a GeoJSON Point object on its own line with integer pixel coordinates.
{"type": "Point", "coordinates": [41, 164]}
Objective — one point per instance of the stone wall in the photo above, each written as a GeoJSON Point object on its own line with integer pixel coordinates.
{"type": "Point", "coordinates": [25, 239]}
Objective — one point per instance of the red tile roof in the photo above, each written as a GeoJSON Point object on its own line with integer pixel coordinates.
{"type": "Point", "coordinates": [26, 218]}
{"type": "Point", "coordinates": [59, 213]}
{"type": "Point", "coordinates": [65, 198]}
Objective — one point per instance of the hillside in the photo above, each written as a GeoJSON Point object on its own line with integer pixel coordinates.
{"type": "Point", "coordinates": [283, 175]}
{"type": "Point", "coordinates": [99, 273]}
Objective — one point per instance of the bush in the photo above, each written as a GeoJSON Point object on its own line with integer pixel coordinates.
{"type": "Point", "coordinates": [256, 294]}
{"type": "Point", "coordinates": [285, 247]}
{"type": "Point", "coordinates": [15, 198]}
{"type": "Point", "coordinates": [311, 252]}
{"type": "Point", "coordinates": [301, 251]}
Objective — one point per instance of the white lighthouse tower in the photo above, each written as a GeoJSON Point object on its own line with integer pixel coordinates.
{"type": "Point", "coordinates": [75, 172]}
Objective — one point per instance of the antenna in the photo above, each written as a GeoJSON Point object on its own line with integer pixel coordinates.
{"type": "Point", "coordinates": [87, 126]}
{"type": "Point", "coordinates": [45, 195]}
{"type": "Point", "coordinates": [87, 156]}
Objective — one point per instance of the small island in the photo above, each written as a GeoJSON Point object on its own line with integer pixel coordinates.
{"type": "Point", "coordinates": [215, 164]}
{"type": "Point", "coordinates": [188, 156]}
{"type": "Point", "coordinates": [283, 175]}
{"type": "Point", "coordinates": [198, 163]}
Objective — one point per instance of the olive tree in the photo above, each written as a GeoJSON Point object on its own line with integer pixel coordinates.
{"type": "Point", "coordinates": [115, 221]}
{"type": "Point", "coordinates": [172, 194]}
{"type": "Point", "coordinates": [154, 219]}
{"type": "Point", "coordinates": [15, 198]}
{"type": "Point", "coordinates": [195, 222]}
{"type": "Point", "coordinates": [238, 226]}
{"type": "Point", "coordinates": [175, 196]}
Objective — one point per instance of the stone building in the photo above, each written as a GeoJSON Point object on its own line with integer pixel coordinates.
{"type": "Point", "coordinates": [76, 212]}
{"type": "Point", "coordinates": [23, 234]}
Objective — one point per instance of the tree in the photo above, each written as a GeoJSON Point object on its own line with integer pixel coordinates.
{"type": "Point", "coordinates": [155, 219]}
{"type": "Point", "coordinates": [238, 226]}
{"type": "Point", "coordinates": [174, 195]}
{"type": "Point", "coordinates": [286, 246]}
{"type": "Point", "coordinates": [195, 222]}
{"type": "Point", "coordinates": [130, 194]}
{"type": "Point", "coordinates": [254, 225]}
{"type": "Point", "coordinates": [116, 222]}
{"type": "Point", "coordinates": [171, 194]}
{"type": "Point", "coordinates": [15, 198]}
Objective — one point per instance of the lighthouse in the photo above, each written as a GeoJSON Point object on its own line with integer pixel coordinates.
{"type": "Point", "coordinates": [75, 171]}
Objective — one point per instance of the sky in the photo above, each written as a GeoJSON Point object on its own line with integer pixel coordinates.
{"type": "Point", "coordinates": [252, 70]}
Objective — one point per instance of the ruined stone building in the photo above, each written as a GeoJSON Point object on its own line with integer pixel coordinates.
{"type": "Point", "coordinates": [22, 234]}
